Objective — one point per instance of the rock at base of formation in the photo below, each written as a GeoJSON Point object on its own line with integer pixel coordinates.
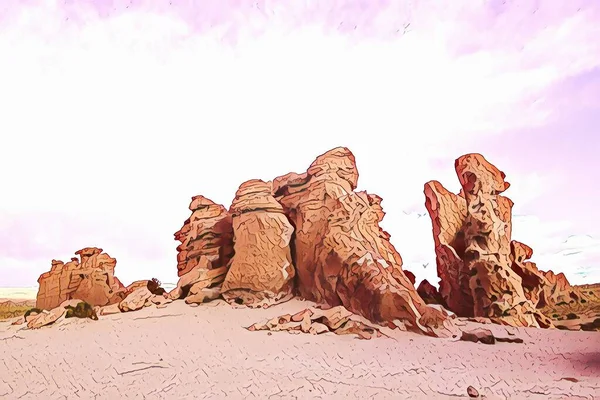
{"type": "Point", "coordinates": [205, 250]}
{"type": "Point", "coordinates": [90, 279]}
{"type": "Point", "coordinates": [314, 321]}
{"type": "Point", "coordinates": [472, 235]}
{"type": "Point", "coordinates": [261, 272]}
{"type": "Point", "coordinates": [342, 256]}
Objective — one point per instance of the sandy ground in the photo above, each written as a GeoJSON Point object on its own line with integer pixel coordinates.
{"type": "Point", "coordinates": [183, 352]}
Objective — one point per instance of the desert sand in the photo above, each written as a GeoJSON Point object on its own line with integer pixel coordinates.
{"type": "Point", "coordinates": [204, 352]}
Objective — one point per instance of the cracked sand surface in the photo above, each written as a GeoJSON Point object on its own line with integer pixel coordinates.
{"type": "Point", "coordinates": [183, 352]}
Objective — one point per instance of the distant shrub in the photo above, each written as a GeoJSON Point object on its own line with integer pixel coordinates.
{"type": "Point", "coordinates": [562, 303]}
{"type": "Point", "coordinates": [572, 316]}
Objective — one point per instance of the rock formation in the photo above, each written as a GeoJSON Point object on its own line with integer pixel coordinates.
{"type": "Point", "coordinates": [208, 233]}
{"type": "Point", "coordinates": [90, 279]}
{"type": "Point", "coordinates": [261, 272]}
{"type": "Point", "coordinates": [542, 288]}
{"type": "Point", "coordinates": [472, 235]}
{"type": "Point", "coordinates": [342, 257]}
{"type": "Point", "coordinates": [205, 251]}
{"type": "Point", "coordinates": [429, 293]}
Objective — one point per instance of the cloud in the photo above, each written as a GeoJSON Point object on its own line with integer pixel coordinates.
{"type": "Point", "coordinates": [114, 117]}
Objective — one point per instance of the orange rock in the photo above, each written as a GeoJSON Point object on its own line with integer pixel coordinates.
{"type": "Point", "coordinates": [472, 234]}
{"type": "Point", "coordinates": [91, 280]}
{"type": "Point", "coordinates": [558, 290]}
{"type": "Point", "coordinates": [208, 232]}
{"type": "Point", "coordinates": [342, 256]}
{"type": "Point", "coordinates": [261, 272]}
{"type": "Point", "coordinates": [542, 288]}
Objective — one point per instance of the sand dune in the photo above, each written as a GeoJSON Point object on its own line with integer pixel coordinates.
{"type": "Point", "coordinates": [183, 352]}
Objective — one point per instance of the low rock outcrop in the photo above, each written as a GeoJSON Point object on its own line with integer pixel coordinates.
{"type": "Point", "coordinates": [472, 235]}
{"type": "Point", "coordinates": [261, 272]}
{"type": "Point", "coordinates": [90, 279]}
{"type": "Point", "coordinates": [316, 321]}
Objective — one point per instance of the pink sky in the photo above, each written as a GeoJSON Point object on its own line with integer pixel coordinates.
{"type": "Point", "coordinates": [115, 113]}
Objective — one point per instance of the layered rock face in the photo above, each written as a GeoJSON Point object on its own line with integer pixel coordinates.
{"type": "Point", "coordinates": [205, 250]}
{"type": "Point", "coordinates": [261, 272]}
{"type": "Point", "coordinates": [207, 233]}
{"type": "Point", "coordinates": [90, 279]}
{"type": "Point", "coordinates": [342, 256]}
{"type": "Point", "coordinates": [472, 235]}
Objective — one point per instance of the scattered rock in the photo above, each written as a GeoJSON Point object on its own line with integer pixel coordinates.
{"type": "Point", "coordinates": [136, 300]}
{"type": "Point", "coordinates": [316, 321]}
{"type": "Point", "coordinates": [485, 336]}
{"type": "Point", "coordinates": [472, 392]}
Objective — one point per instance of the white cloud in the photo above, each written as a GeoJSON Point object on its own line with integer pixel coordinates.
{"type": "Point", "coordinates": [125, 118]}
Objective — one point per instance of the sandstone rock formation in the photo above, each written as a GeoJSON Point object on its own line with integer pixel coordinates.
{"type": "Point", "coordinates": [342, 256]}
{"type": "Point", "coordinates": [261, 272]}
{"type": "Point", "coordinates": [90, 279]}
{"type": "Point", "coordinates": [204, 253]}
{"type": "Point", "coordinates": [542, 288]}
{"type": "Point", "coordinates": [429, 293]}
{"type": "Point", "coordinates": [472, 235]}
{"type": "Point", "coordinates": [208, 233]}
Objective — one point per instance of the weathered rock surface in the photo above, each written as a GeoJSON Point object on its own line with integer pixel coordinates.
{"type": "Point", "coordinates": [90, 278]}
{"type": "Point", "coordinates": [429, 293]}
{"type": "Point", "coordinates": [472, 235]}
{"type": "Point", "coordinates": [261, 272]}
{"type": "Point", "coordinates": [135, 300]}
{"type": "Point", "coordinates": [342, 256]}
{"type": "Point", "coordinates": [208, 232]}
{"type": "Point", "coordinates": [193, 285]}
{"type": "Point", "coordinates": [316, 321]}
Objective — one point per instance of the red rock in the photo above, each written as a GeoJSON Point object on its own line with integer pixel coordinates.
{"type": "Point", "coordinates": [91, 280]}
{"type": "Point", "coordinates": [208, 232]}
{"type": "Point", "coordinates": [472, 235]}
{"type": "Point", "coordinates": [429, 293]}
{"type": "Point", "coordinates": [411, 277]}
{"type": "Point", "coordinates": [261, 272]}
{"type": "Point", "coordinates": [342, 256]}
